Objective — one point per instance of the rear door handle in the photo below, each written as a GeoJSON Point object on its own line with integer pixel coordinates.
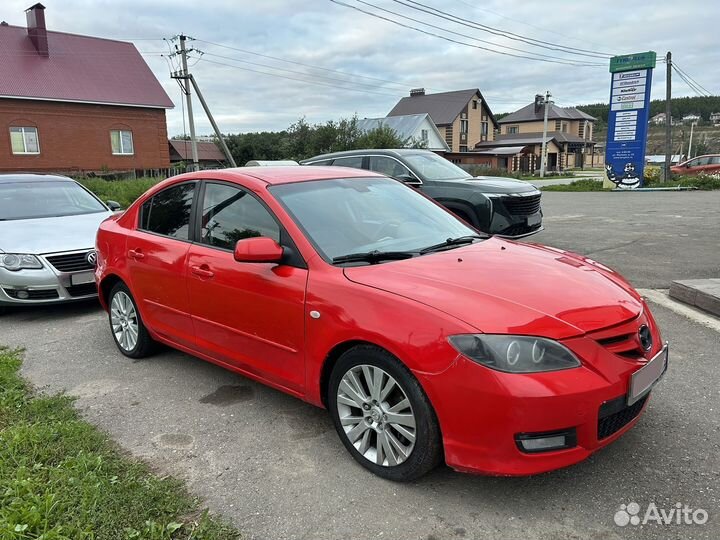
{"type": "Point", "coordinates": [202, 271]}
{"type": "Point", "coordinates": [136, 254]}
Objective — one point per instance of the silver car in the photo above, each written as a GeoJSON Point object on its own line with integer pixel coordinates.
{"type": "Point", "coordinates": [47, 236]}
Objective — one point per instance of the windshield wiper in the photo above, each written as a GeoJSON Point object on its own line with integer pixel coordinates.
{"type": "Point", "coordinates": [450, 242]}
{"type": "Point", "coordinates": [374, 257]}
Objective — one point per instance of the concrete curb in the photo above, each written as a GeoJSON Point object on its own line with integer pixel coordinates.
{"type": "Point", "coordinates": [701, 293]}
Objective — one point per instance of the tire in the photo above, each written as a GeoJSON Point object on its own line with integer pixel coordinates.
{"type": "Point", "coordinates": [371, 425]}
{"type": "Point", "coordinates": [122, 308]}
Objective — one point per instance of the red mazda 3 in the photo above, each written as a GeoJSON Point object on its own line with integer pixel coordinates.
{"type": "Point", "coordinates": [426, 340]}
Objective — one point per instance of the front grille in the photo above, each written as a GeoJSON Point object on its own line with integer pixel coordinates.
{"type": "Point", "coordinates": [522, 206]}
{"type": "Point", "coordinates": [85, 289]}
{"type": "Point", "coordinates": [70, 262]}
{"type": "Point", "coordinates": [611, 420]}
{"type": "Point", "coordinates": [42, 294]}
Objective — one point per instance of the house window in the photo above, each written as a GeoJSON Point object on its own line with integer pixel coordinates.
{"type": "Point", "coordinates": [484, 131]}
{"type": "Point", "coordinates": [463, 148]}
{"type": "Point", "coordinates": [474, 103]}
{"type": "Point", "coordinates": [564, 127]}
{"type": "Point", "coordinates": [24, 140]}
{"type": "Point", "coordinates": [463, 126]}
{"type": "Point", "coordinates": [558, 125]}
{"type": "Point", "coordinates": [424, 135]}
{"type": "Point", "coordinates": [513, 129]}
{"type": "Point", "coordinates": [122, 142]}
{"type": "Point", "coordinates": [581, 130]}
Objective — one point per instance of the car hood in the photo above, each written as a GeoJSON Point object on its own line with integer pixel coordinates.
{"type": "Point", "coordinates": [498, 286]}
{"type": "Point", "coordinates": [50, 235]}
{"type": "Point", "coordinates": [493, 184]}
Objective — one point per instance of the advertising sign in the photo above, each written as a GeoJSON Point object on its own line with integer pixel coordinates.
{"type": "Point", "coordinates": [628, 118]}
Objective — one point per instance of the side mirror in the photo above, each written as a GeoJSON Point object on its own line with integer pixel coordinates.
{"type": "Point", "coordinates": [408, 179]}
{"type": "Point", "coordinates": [259, 249]}
{"type": "Point", "coordinates": [113, 205]}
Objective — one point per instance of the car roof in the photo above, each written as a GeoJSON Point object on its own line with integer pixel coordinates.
{"type": "Point", "coordinates": [16, 178]}
{"type": "Point", "coordinates": [280, 175]}
{"type": "Point", "coordinates": [397, 152]}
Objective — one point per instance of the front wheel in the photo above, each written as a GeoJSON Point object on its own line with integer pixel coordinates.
{"type": "Point", "coordinates": [382, 415]}
{"type": "Point", "coordinates": [128, 330]}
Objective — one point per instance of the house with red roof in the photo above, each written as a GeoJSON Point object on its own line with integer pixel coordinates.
{"type": "Point", "coordinates": [77, 104]}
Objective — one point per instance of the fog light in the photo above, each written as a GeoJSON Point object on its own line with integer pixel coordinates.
{"type": "Point", "coordinates": [22, 295]}
{"type": "Point", "coordinates": [547, 441]}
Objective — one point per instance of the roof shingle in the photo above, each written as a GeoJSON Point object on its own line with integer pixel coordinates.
{"type": "Point", "coordinates": [79, 68]}
{"type": "Point", "coordinates": [442, 107]}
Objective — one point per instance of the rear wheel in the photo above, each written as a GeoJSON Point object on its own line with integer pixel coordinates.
{"type": "Point", "coordinates": [382, 415]}
{"type": "Point", "coordinates": [128, 330]}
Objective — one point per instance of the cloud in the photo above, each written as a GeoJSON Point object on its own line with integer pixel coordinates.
{"type": "Point", "coordinates": [382, 60]}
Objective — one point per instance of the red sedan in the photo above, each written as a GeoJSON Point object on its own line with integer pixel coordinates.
{"type": "Point", "coordinates": [426, 340]}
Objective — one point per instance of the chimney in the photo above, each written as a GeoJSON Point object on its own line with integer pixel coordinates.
{"type": "Point", "coordinates": [417, 92]}
{"type": "Point", "coordinates": [36, 28]}
{"type": "Point", "coordinates": [539, 102]}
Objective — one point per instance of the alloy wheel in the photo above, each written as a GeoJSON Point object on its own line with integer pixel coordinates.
{"type": "Point", "coordinates": [376, 415]}
{"type": "Point", "coordinates": [124, 321]}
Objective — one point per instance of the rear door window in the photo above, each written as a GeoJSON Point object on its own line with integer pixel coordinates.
{"type": "Point", "coordinates": [168, 212]}
{"type": "Point", "coordinates": [389, 167]}
{"type": "Point", "coordinates": [350, 161]}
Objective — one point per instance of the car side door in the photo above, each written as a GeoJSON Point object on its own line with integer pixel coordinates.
{"type": "Point", "coordinates": [393, 168]}
{"type": "Point", "coordinates": [157, 250]}
{"type": "Point", "coordinates": [247, 315]}
{"type": "Point", "coordinates": [714, 165]}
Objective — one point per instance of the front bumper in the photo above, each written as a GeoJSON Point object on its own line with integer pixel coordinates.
{"type": "Point", "coordinates": [482, 412]}
{"type": "Point", "coordinates": [43, 286]}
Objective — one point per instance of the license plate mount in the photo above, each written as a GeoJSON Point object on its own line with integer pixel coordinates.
{"type": "Point", "coordinates": [643, 380]}
{"type": "Point", "coordinates": [82, 278]}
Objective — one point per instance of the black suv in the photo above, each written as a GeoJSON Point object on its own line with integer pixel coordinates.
{"type": "Point", "coordinates": [492, 204]}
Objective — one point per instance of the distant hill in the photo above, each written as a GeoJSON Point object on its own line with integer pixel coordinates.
{"type": "Point", "coordinates": [702, 106]}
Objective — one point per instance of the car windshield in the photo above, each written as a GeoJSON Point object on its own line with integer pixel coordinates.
{"type": "Point", "coordinates": [367, 215]}
{"type": "Point", "coordinates": [435, 168]}
{"type": "Point", "coordinates": [41, 199]}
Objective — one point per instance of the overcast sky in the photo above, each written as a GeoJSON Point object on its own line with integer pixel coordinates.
{"type": "Point", "coordinates": [382, 60]}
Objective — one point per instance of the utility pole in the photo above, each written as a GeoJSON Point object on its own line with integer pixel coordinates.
{"type": "Point", "coordinates": [668, 116]}
{"type": "Point", "coordinates": [223, 144]}
{"type": "Point", "coordinates": [692, 125]}
{"type": "Point", "coordinates": [186, 88]}
{"type": "Point", "coordinates": [543, 152]}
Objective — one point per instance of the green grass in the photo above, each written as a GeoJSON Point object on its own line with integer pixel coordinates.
{"type": "Point", "coordinates": [63, 479]}
{"type": "Point", "coordinates": [578, 185]}
{"type": "Point", "coordinates": [702, 182]}
{"type": "Point", "coordinates": [122, 191]}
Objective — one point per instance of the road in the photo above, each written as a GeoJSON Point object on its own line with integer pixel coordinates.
{"type": "Point", "coordinates": [275, 467]}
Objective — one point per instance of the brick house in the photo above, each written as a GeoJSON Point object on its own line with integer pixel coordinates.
{"type": "Point", "coordinates": [72, 104]}
{"type": "Point", "coordinates": [569, 136]}
{"type": "Point", "coordinates": [462, 117]}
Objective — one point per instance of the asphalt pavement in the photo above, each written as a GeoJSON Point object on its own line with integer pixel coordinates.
{"type": "Point", "coordinates": [275, 467]}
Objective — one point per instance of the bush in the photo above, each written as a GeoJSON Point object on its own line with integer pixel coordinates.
{"type": "Point", "coordinates": [479, 170]}
{"type": "Point", "coordinates": [706, 182]}
{"type": "Point", "coordinates": [586, 184]}
{"type": "Point", "coordinates": [122, 191]}
{"type": "Point", "coordinates": [652, 173]}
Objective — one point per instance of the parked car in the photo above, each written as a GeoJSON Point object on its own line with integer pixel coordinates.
{"type": "Point", "coordinates": [709, 164]}
{"type": "Point", "coordinates": [495, 205]}
{"type": "Point", "coordinates": [47, 233]}
{"type": "Point", "coordinates": [349, 290]}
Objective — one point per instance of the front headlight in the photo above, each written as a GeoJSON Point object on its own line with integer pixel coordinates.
{"type": "Point", "coordinates": [19, 261]}
{"type": "Point", "coordinates": [515, 354]}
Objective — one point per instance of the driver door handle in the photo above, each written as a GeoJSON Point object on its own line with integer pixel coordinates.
{"type": "Point", "coordinates": [136, 254]}
{"type": "Point", "coordinates": [202, 271]}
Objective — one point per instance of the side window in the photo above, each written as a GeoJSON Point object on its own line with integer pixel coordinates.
{"type": "Point", "coordinates": [321, 163]}
{"type": "Point", "coordinates": [351, 161]}
{"type": "Point", "coordinates": [168, 212]}
{"type": "Point", "coordinates": [230, 214]}
{"type": "Point", "coordinates": [388, 167]}
{"type": "Point", "coordinates": [715, 160]}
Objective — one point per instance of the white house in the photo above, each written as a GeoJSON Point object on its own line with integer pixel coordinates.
{"type": "Point", "coordinates": [413, 129]}
{"type": "Point", "coordinates": [689, 118]}
{"type": "Point", "coordinates": [715, 118]}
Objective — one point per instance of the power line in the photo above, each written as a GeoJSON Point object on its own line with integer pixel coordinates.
{"type": "Point", "coordinates": [454, 40]}
{"type": "Point", "coordinates": [405, 85]}
{"type": "Point", "coordinates": [503, 33]}
{"type": "Point", "coordinates": [690, 84]}
{"type": "Point", "coordinates": [525, 23]}
{"type": "Point", "coordinates": [693, 80]}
